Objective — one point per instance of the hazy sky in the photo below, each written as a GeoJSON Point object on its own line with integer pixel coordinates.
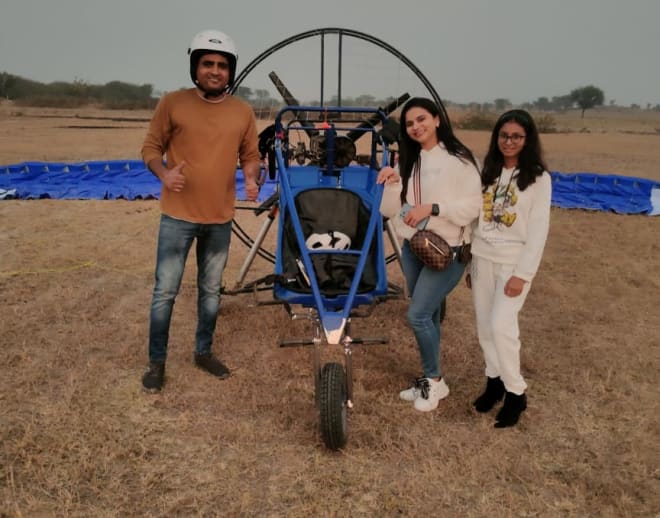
{"type": "Point", "coordinates": [470, 50]}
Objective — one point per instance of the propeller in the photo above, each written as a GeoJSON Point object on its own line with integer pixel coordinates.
{"type": "Point", "coordinates": [344, 144]}
{"type": "Point", "coordinates": [290, 100]}
{"type": "Point", "coordinates": [375, 119]}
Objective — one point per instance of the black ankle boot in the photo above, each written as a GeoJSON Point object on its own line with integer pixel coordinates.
{"type": "Point", "coordinates": [514, 405]}
{"type": "Point", "coordinates": [493, 393]}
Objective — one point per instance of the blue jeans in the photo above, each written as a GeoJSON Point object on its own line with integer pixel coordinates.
{"type": "Point", "coordinates": [175, 238]}
{"type": "Point", "coordinates": [428, 288]}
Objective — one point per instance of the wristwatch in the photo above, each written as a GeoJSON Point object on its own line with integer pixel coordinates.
{"type": "Point", "coordinates": [435, 209]}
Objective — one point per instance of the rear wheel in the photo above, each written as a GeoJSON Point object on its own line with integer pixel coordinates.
{"type": "Point", "coordinates": [333, 405]}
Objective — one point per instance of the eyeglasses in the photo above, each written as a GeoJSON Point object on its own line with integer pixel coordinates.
{"type": "Point", "coordinates": [515, 138]}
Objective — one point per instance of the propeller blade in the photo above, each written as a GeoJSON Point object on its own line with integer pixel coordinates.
{"type": "Point", "coordinates": [283, 90]}
{"type": "Point", "coordinates": [375, 119]}
{"type": "Point", "coordinates": [290, 100]}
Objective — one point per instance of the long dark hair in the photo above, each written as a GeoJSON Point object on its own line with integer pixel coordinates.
{"type": "Point", "coordinates": [530, 161]}
{"type": "Point", "coordinates": [409, 150]}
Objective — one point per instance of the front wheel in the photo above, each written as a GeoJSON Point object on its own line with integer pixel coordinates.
{"type": "Point", "coordinates": [334, 406]}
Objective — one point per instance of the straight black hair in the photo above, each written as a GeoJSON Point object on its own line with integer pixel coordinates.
{"type": "Point", "coordinates": [530, 161]}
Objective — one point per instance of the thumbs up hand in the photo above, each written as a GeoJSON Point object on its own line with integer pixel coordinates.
{"type": "Point", "coordinates": [174, 178]}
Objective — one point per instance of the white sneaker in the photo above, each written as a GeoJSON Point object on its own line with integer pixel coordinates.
{"type": "Point", "coordinates": [431, 393]}
{"type": "Point", "coordinates": [413, 392]}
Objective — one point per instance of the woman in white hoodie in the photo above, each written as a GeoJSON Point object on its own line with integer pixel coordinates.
{"type": "Point", "coordinates": [507, 245]}
{"type": "Point", "coordinates": [436, 184]}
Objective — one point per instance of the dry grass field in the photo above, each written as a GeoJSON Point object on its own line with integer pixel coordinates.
{"type": "Point", "coordinates": [80, 438]}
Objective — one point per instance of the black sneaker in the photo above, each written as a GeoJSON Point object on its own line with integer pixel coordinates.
{"type": "Point", "coordinates": [152, 380]}
{"type": "Point", "coordinates": [212, 365]}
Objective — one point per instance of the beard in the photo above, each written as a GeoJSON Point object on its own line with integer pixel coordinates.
{"type": "Point", "coordinates": [213, 92]}
{"type": "Point", "coordinates": [216, 93]}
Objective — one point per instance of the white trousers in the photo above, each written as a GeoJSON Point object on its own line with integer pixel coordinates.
{"type": "Point", "coordinates": [497, 321]}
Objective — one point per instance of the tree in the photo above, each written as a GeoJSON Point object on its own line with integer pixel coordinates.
{"type": "Point", "coordinates": [6, 81]}
{"type": "Point", "coordinates": [587, 97]}
{"type": "Point", "coordinates": [562, 102]}
{"type": "Point", "coordinates": [365, 100]}
{"type": "Point", "coordinates": [502, 104]}
{"type": "Point", "coordinates": [244, 92]}
{"type": "Point", "coordinates": [262, 96]}
{"type": "Point", "coordinates": [542, 103]}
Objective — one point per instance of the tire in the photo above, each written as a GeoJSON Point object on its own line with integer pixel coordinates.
{"type": "Point", "coordinates": [333, 405]}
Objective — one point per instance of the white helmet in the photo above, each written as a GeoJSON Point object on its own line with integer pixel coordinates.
{"type": "Point", "coordinates": [206, 42]}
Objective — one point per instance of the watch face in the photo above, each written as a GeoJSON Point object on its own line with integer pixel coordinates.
{"type": "Point", "coordinates": [435, 209]}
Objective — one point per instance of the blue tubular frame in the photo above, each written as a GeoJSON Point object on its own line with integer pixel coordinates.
{"type": "Point", "coordinates": [334, 312]}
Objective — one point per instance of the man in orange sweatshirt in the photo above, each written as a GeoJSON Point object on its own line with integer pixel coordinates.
{"type": "Point", "coordinates": [202, 133]}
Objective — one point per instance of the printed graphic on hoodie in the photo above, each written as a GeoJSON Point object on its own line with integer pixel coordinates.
{"type": "Point", "coordinates": [498, 206]}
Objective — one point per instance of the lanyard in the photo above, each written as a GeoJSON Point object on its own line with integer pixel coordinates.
{"type": "Point", "coordinates": [497, 186]}
{"type": "Point", "coordinates": [417, 181]}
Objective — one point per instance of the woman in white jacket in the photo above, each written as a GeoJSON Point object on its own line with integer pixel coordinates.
{"type": "Point", "coordinates": [436, 180]}
{"type": "Point", "coordinates": [507, 245]}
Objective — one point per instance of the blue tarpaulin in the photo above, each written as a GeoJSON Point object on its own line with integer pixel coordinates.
{"type": "Point", "coordinates": [131, 180]}
{"type": "Point", "coordinates": [95, 180]}
{"type": "Point", "coordinates": [620, 194]}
